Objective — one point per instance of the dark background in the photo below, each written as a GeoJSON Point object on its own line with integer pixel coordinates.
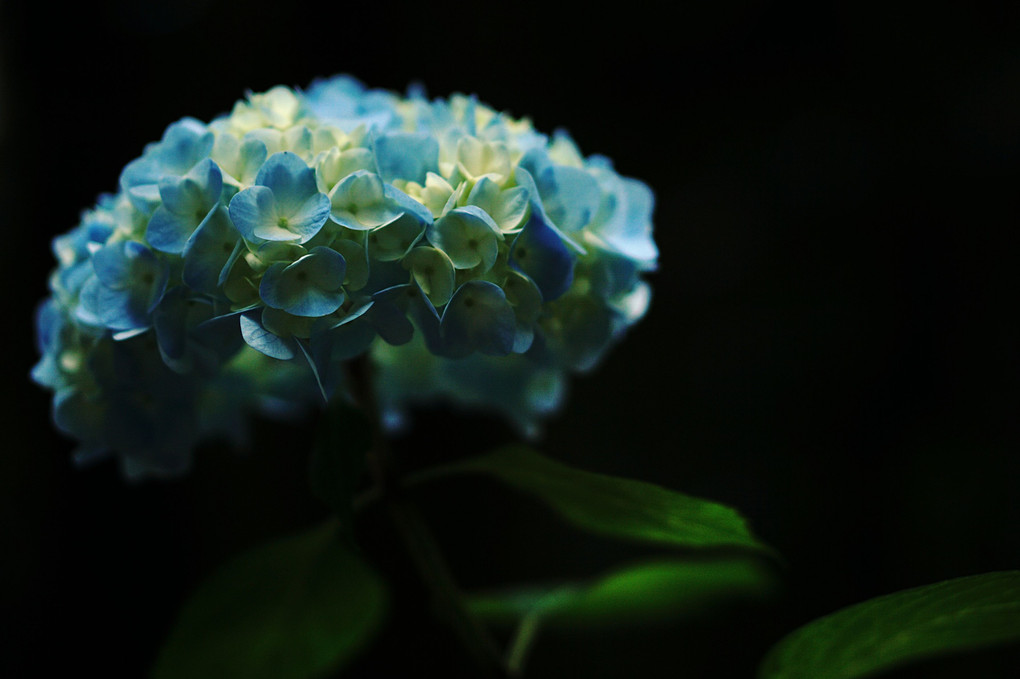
{"type": "Point", "coordinates": [832, 345]}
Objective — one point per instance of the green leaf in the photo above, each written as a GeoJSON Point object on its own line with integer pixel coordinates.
{"type": "Point", "coordinates": [296, 607]}
{"type": "Point", "coordinates": [338, 458]}
{"type": "Point", "coordinates": [881, 633]}
{"type": "Point", "coordinates": [642, 592]}
{"type": "Point", "coordinates": [613, 506]}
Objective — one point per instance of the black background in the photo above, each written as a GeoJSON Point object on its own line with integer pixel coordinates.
{"type": "Point", "coordinates": [831, 348]}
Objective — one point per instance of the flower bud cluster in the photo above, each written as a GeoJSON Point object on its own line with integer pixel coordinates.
{"type": "Point", "coordinates": [243, 261]}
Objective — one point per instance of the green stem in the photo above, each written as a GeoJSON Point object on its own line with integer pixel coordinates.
{"type": "Point", "coordinates": [448, 597]}
{"type": "Point", "coordinates": [417, 537]}
{"type": "Point", "coordinates": [521, 644]}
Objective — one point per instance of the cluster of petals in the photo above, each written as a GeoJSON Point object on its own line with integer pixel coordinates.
{"type": "Point", "coordinates": [243, 261]}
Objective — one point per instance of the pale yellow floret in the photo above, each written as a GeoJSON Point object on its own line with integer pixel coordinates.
{"type": "Point", "coordinates": [71, 361]}
{"type": "Point", "coordinates": [563, 151]}
{"type": "Point", "coordinates": [477, 158]}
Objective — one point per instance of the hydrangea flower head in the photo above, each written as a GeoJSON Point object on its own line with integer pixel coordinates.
{"type": "Point", "coordinates": [472, 258]}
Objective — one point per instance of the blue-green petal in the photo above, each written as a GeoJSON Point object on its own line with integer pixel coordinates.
{"type": "Point", "coordinates": [285, 204]}
{"type": "Point", "coordinates": [539, 252]}
{"type": "Point", "coordinates": [310, 286]}
{"type": "Point", "coordinates": [406, 155]}
{"type": "Point", "coordinates": [398, 310]}
{"type": "Point", "coordinates": [359, 202]}
{"type": "Point", "coordinates": [468, 236]}
{"type": "Point", "coordinates": [262, 340]}
{"type": "Point", "coordinates": [208, 251]}
{"type": "Point", "coordinates": [187, 202]}
{"type": "Point", "coordinates": [184, 144]}
{"type": "Point", "coordinates": [289, 178]}
{"type": "Point", "coordinates": [308, 218]}
{"type": "Point", "coordinates": [571, 196]}
{"type": "Point", "coordinates": [254, 209]}
{"type": "Point", "coordinates": [130, 281]}
{"type": "Point", "coordinates": [478, 318]}
{"type": "Point", "coordinates": [394, 240]}
{"type": "Point", "coordinates": [627, 223]}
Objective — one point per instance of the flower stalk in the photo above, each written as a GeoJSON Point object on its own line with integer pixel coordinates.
{"type": "Point", "coordinates": [417, 538]}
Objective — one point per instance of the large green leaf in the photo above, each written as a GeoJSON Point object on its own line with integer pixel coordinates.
{"type": "Point", "coordinates": [890, 630]}
{"type": "Point", "coordinates": [641, 592]}
{"type": "Point", "coordinates": [297, 607]}
{"type": "Point", "coordinates": [615, 507]}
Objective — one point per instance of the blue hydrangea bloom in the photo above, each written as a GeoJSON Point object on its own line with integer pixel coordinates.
{"type": "Point", "coordinates": [470, 257]}
{"type": "Point", "coordinates": [311, 285]}
{"type": "Point", "coordinates": [284, 204]}
{"type": "Point", "coordinates": [186, 203]}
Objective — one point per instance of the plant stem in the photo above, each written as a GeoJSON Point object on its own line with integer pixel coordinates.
{"type": "Point", "coordinates": [449, 600]}
{"type": "Point", "coordinates": [516, 656]}
{"type": "Point", "coordinates": [417, 537]}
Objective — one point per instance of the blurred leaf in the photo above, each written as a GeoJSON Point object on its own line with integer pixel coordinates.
{"type": "Point", "coordinates": [613, 506]}
{"type": "Point", "coordinates": [643, 592]}
{"type": "Point", "coordinates": [338, 458]}
{"type": "Point", "coordinates": [296, 607]}
{"type": "Point", "coordinates": [890, 630]}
